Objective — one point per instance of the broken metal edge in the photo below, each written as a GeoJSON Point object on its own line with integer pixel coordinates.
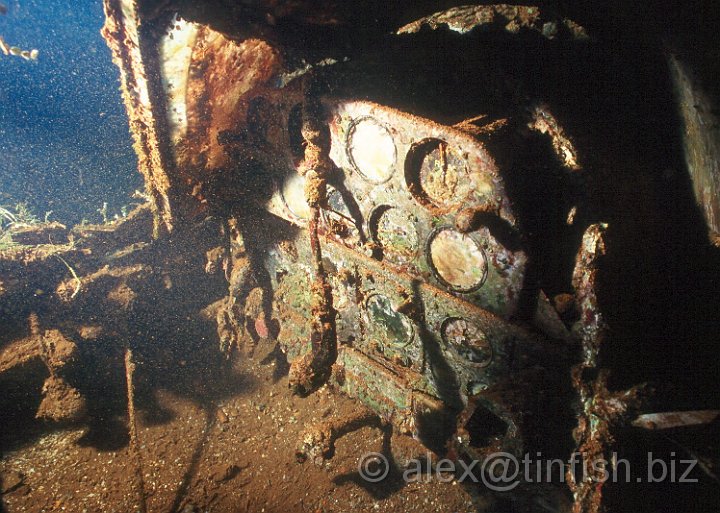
{"type": "Point", "coordinates": [511, 18]}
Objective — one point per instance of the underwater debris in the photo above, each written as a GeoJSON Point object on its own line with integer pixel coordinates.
{"type": "Point", "coordinates": [317, 443]}
{"type": "Point", "coordinates": [425, 307]}
{"type": "Point", "coordinates": [61, 402]}
{"type": "Point", "coordinates": [701, 145]}
{"type": "Point", "coordinates": [285, 78]}
{"type": "Point", "coordinates": [40, 233]}
{"type": "Point", "coordinates": [78, 282]}
{"type": "Point", "coordinates": [51, 346]}
{"type": "Point", "coordinates": [511, 18]}
{"type": "Point", "coordinates": [392, 302]}
{"type": "Point", "coordinates": [396, 250]}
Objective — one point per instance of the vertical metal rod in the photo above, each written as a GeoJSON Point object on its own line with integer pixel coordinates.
{"type": "Point", "coordinates": [132, 428]}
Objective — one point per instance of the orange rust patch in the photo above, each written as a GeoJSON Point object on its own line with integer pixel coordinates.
{"type": "Point", "coordinates": [224, 74]}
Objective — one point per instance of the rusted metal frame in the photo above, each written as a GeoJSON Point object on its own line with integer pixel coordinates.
{"type": "Point", "coordinates": [510, 18]}
{"type": "Point", "coordinates": [601, 411]}
{"type": "Point", "coordinates": [674, 419]}
{"type": "Point", "coordinates": [702, 147]}
{"type": "Point", "coordinates": [127, 36]}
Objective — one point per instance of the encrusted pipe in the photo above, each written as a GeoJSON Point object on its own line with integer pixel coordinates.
{"type": "Point", "coordinates": [312, 370]}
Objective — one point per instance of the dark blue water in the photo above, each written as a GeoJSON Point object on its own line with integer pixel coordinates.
{"type": "Point", "coordinates": [64, 140]}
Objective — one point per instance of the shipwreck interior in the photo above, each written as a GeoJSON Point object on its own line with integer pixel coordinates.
{"type": "Point", "coordinates": [417, 230]}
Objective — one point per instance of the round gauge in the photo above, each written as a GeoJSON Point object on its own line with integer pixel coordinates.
{"type": "Point", "coordinates": [437, 174]}
{"type": "Point", "coordinates": [456, 260]}
{"type": "Point", "coordinates": [293, 195]}
{"type": "Point", "coordinates": [371, 150]}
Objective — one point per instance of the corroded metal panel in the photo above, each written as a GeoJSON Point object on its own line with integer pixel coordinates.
{"type": "Point", "coordinates": [423, 307]}
{"type": "Point", "coordinates": [390, 241]}
{"type": "Point", "coordinates": [404, 181]}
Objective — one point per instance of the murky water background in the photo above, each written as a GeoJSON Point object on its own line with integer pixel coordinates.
{"type": "Point", "coordinates": [64, 140]}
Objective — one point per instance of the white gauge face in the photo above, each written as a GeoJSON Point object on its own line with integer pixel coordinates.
{"type": "Point", "coordinates": [293, 195]}
{"type": "Point", "coordinates": [457, 260]}
{"type": "Point", "coordinates": [371, 150]}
